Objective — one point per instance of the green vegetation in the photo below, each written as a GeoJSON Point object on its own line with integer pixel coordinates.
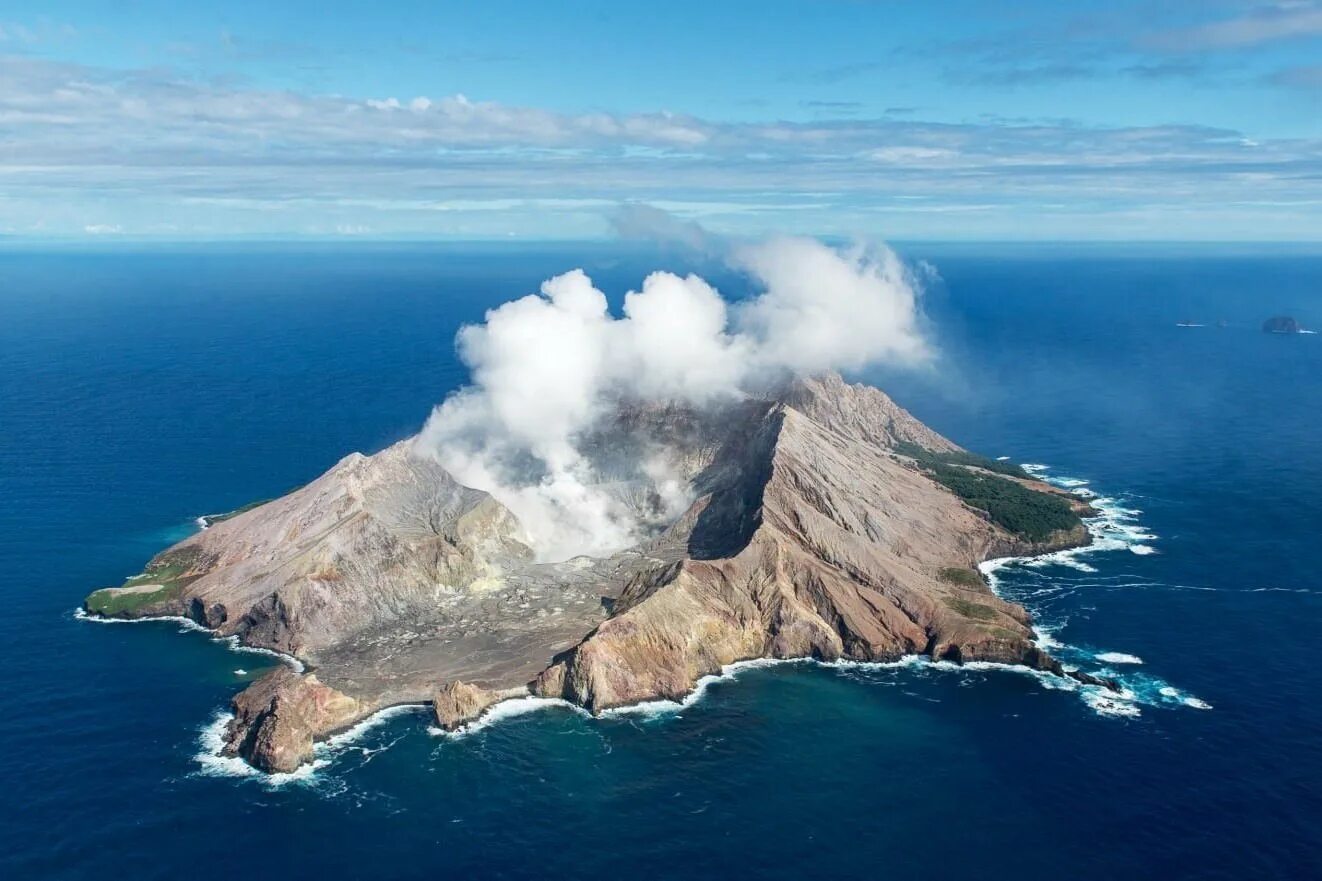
{"type": "Point", "coordinates": [1032, 515]}
{"type": "Point", "coordinates": [962, 577]}
{"type": "Point", "coordinates": [165, 572]}
{"type": "Point", "coordinates": [115, 601]}
{"type": "Point", "coordinates": [931, 458]}
{"type": "Point", "coordinates": [1027, 513]}
{"type": "Point", "coordinates": [976, 611]}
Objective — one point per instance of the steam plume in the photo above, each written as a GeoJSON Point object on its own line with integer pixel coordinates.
{"type": "Point", "coordinates": [547, 367]}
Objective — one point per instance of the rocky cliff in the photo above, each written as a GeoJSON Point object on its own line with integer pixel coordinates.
{"type": "Point", "coordinates": [812, 533]}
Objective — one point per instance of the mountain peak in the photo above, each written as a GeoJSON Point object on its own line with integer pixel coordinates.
{"type": "Point", "coordinates": [860, 411]}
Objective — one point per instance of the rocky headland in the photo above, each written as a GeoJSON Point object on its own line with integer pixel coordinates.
{"type": "Point", "coordinates": [826, 522]}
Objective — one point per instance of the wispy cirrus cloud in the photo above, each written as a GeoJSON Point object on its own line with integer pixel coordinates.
{"type": "Point", "coordinates": [1262, 23]}
{"type": "Point", "coordinates": [1145, 40]}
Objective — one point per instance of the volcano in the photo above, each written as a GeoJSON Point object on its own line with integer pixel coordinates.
{"type": "Point", "coordinates": [822, 521]}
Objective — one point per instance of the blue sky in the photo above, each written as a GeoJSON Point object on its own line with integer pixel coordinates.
{"type": "Point", "coordinates": [1129, 119]}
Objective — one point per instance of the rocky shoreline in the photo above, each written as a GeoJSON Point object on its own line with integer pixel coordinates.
{"type": "Point", "coordinates": [811, 535]}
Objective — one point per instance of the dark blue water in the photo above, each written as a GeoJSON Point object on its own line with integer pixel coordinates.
{"type": "Point", "coordinates": [138, 390]}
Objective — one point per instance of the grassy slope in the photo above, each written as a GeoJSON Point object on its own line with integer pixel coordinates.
{"type": "Point", "coordinates": [167, 570]}
{"type": "Point", "coordinates": [1029, 514]}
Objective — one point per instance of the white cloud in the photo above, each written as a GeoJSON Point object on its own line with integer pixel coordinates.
{"type": "Point", "coordinates": [913, 155]}
{"type": "Point", "coordinates": [546, 368]}
{"type": "Point", "coordinates": [1265, 23]}
{"type": "Point", "coordinates": [828, 309]}
{"type": "Point", "coordinates": [144, 149]}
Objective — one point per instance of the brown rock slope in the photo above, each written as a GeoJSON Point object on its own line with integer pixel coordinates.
{"type": "Point", "coordinates": [843, 556]}
{"type": "Point", "coordinates": [811, 536]}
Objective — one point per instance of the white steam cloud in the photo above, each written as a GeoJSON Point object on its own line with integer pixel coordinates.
{"type": "Point", "coordinates": [547, 367]}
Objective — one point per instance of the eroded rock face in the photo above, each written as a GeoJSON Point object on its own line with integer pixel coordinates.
{"type": "Point", "coordinates": [458, 703]}
{"type": "Point", "coordinates": [811, 535]}
{"type": "Point", "coordinates": [278, 717]}
{"type": "Point", "coordinates": [842, 562]}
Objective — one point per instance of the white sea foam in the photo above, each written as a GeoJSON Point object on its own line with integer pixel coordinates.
{"type": "Point", "coordinates": [213, 763]}
{"type": "Point", "coordinates": [184, 623]}
{"type": "Point", "coordinates": [1067, 558]}
{"type": "Point", "coordinates": [1174, 695]}
{"type": "Point", "coordinates": [188, 624]}
{"type": "Point", "coordinates": [665, 707]}
{"type": "Point", "coordinates": [233, 644]}
{"type": "Point", "coordinates": [506, 709]}
{"type": "Point", "coordinates": [1114, 527]}
{"type": "Point", "coordinates": [351, 736]}
{"type": "Point", "coordinates": [513, 707]}
{"type": "Point", "coordinates": [919, 663]}
{"type": "Point", "coordinates": [1117, 658]}
{"type": "Point", "coordinates": [1106, 704]}
{"type": "Point", "coordinates": [1045, 638]}
{"type": "Point", "coordinates": [1103, 701]}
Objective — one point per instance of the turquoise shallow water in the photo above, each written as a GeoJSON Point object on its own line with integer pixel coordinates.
{"type": "Point", "coordinates": [138, 390]}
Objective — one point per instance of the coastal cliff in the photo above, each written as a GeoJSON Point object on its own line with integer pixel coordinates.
{"type": "Point", "coordinates": [825, 522]}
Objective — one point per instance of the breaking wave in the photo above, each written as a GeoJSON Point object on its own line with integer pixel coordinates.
{"type": "Point", "coordinates": [212, 762]}
{"type": "Point", "coordinates": [520, 706]}
{"type": "Point", "coordinates": [188, 625]}
{"type": "Point", "coordinates": [352, 736]}
{"type": "Point", "coordinates": [1115, 527]}
{"type": "Point", "coordinates": [506, 709]}
{"type": "Point", "coordinates": [660, 708]}
{"type": "Point", "coordinates": [1117, 658]}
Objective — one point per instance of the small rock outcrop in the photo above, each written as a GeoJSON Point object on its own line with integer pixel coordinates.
{"type": "Point", "coordinates": [277, 719]}
{"type": "Point", "coordinates": [458, 703]}
{"type": "Point", "coordinates": [1281, 324]}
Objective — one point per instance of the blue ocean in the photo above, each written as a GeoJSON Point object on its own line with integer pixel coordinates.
{"type": "Point", "coordinates": [141, 388]}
